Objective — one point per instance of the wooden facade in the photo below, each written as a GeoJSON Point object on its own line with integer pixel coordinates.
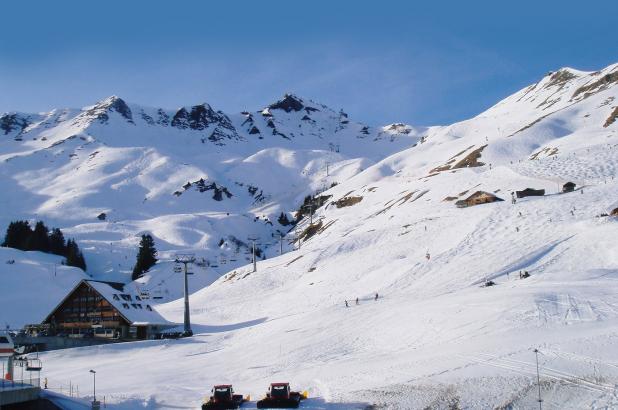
{"type": "Point", "coordinates": [87, 312]}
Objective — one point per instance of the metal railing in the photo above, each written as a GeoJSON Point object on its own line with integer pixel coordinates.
{"type": "Point", "coordinates": [25, 383]}
{"type": "Point", "coordinates": [68, 389]}
{"type": "Point", "coordinates": [21, 378]}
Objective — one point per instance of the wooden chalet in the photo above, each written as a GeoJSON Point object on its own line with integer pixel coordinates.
{"type": "Point", "coordinates": [568, 187]}
{"type": "Point", "coordinates": [529, 192]}
{"type": "Point", "coordinates": [105, 309]}
{"type": "Point", "coordinates": [477, 198]}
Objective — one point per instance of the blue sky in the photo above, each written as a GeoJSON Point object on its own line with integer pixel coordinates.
{"type": "Point", "coordinates": [416, 62]}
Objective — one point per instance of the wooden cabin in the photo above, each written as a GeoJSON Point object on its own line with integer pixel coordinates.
{"type": "Point", "coordinates": [105, 309]}
{"type": "Point", "coordinates": [614, 212]}
{"type": "Point", "coordinates": [477, 198]}
{"type": "Point", "coordinates": [568, 187]}
{"type": "Point", "coordinates": [529, 192]}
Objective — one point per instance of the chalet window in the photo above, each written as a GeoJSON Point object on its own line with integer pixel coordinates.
{"type": "Point", "coordinates": [125, 305]}
{"type": "Point", "coordinates": [137, 297]}
{"type": "Point", "coordinates": [116, 297]}
{"type": "Point", "coordinates": [126, 297]}
{"type": "Point", "coordinates": [134, 305]}
{"type": "Point", "coordinates": [148, 308]}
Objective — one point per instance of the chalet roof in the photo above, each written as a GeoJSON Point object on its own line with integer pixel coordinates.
{"type": "Point", "coordinates": [479, 193]}
{"type": "Point", "coordinates": [569, 184]}
{"type": "Point", "coordinates": [126, 301]}
{"type": "Point", "coordinates": [129, 304]}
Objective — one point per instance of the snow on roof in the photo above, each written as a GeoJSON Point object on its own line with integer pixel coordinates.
{"type": "Point", "coordinates": [129, 304]}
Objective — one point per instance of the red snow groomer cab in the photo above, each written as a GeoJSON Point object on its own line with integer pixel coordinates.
{"type": "Point", "coordinates": [223, 397]}
{"type": "Point", "coordinates": [279, 396]}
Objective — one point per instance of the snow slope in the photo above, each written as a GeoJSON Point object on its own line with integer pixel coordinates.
{"type": "Point", "coordinates": [197, 179]}
{"type": "Point", "coordinates": [435, 338]}
{"type": "Point", "coordinates": [32, 284]}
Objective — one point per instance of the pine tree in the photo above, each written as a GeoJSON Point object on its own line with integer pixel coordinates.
{"type": "Point", "coordinates": [146, 257]}
{"type": "Point", "coordinates": [283, 219]}
{"type": "Point", "coordinates": [39, 240]}
{"type": "Point", "coordinates": [57, 245]}
{"type": "Point", "coordinates": [17, 235]}
{"type": "Point", "coordinates": [81, 261]}
{"type": "Point", "coordinates": [71, 252]}
{"type": "Point", "coordinates": [74, 255]}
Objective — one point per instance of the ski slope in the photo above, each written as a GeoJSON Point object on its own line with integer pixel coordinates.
{"type": "Point", "coordinates": [435, 337]}
{"type": "Point", "coordinates": [31, 285]}
{"type": "Point", "coordinates": [192, 177]}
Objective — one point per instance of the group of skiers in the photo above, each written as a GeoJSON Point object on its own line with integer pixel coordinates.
{"type": "Point", "coordinates": [357, 302]}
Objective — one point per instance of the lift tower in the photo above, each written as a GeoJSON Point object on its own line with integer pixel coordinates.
{"type": "Point", "coordinates": [186, 259]}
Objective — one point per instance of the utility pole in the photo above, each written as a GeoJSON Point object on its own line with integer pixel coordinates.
{"type": "Point", "coordinates": [538, 378]}
{"type": "Point", "coordinates": [186, 259]}
{"type": "Point", "coordinates": [310, 206]}
{"type": "Point", "coordinates": [280, 244]}
{"type": "Point", "coordinates": [327, 163]}
{"type": "Point", "coordinates": [297, 236]}
{"type": "Point", "coordinates": [253, 239]}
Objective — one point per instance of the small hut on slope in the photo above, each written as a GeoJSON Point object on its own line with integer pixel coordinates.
{"type": "Point", "coordinates": [568, 187]}
{"type": "Point", "coordinates": [477, 198]}
{"type": "Point", "coordinates": [530, 192]}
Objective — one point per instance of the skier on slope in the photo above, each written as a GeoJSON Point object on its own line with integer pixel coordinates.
{"type": "Point", "coordinates": [346, 303]}
{"type": "Point", "coordinates": [376, 298]}
{"type": "Point", "coordinates": [357, 301]}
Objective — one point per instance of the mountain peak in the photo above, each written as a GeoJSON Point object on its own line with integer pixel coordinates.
{"type": "Point", "coordinates": [197, 117]}
{"type": "Point", "coordinates": [111, 104]}
{"type": "Point", "coordinates": [288, 103]}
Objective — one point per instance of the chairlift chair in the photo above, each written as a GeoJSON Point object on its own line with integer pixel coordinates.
{"type": "Point", "coordinates": [178, 269]}
{"type": "Point", "coordinates": [34, 365]}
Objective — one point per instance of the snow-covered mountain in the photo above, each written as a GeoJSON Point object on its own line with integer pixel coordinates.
{"type": "Point", "coordinates": [435, 338]}
{"type": "Point", "coordinates": [198, 179]}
